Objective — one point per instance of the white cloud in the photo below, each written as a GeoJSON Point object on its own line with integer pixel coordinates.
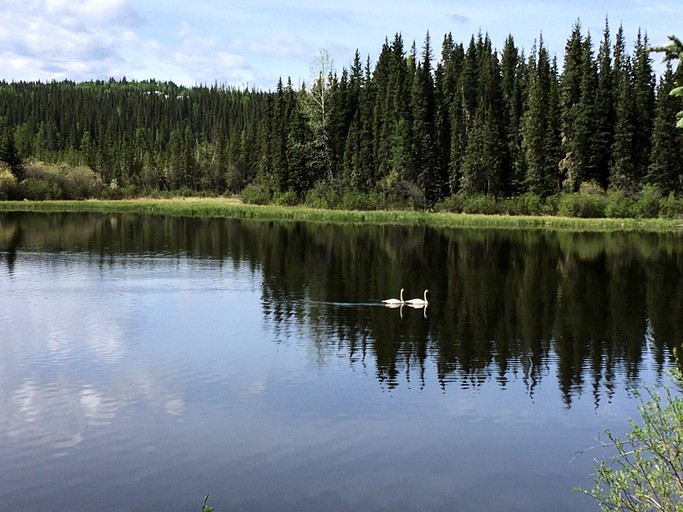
{"type": "Point", "coordinates": [274, 46]}
{"type": "Point", "coordinates": [206, 61]}
{"type": "Point", "coordinates": [55, 39]}
{"type": "Point", "coordinates": [459, 18]}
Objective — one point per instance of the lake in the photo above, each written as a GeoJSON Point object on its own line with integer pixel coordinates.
{"type": "Point", "coordinates": [146, 361]}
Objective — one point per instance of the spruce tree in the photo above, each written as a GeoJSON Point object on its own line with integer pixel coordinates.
{"type": "Point", "coordinates": [450, 123]}
{"type": "Point", "coordinates": [279, 123]}
{"type": "Point", "coordinates": [579, 81]}
{"type": "Point", "coordinates": [10, 154]}
{"type": "Point", "coordinates": [622, 170]}
{"type": "Point", "coordinates": [513, 71]}
{"type": "Point", "coordinates": [540, 172]}
{"type": "Point", "coordinates": [423, 156]}
{"type": "Point", "coordinates": [644, 103]}
{"type": "Point", "coordinates": [553, 138]}
{"type": "Point", "coordinates": [604, 112]}
{"type": "Point", "coordinates": [443, 91]}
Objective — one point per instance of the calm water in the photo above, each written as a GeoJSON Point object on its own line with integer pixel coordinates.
{"type": "Point", "coordinates": [148, 361]}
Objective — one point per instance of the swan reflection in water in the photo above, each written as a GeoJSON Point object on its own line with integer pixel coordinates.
{"type": "Point", "coordinates": [423, 307]}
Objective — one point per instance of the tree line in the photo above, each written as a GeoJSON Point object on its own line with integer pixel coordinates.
{"type": "Point", "coordinates": [412, 130]}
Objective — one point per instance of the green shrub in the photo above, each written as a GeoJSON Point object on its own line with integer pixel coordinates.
{"type": "Point", "coordinates": [323, 195]}
{"type": "Point", "coordinates": [288, 198]}
{"type": "Point", "coordinates": [671, 207]}
{"type": "Point", "coordinates": [550, 205]}
{"type": "Point", "coordinates": [480, 203]}
{"type": "Point", "coordinates": [646, 473]}
{"type": "Point", "coordinates": [583, 205]}
{"type": "Point", "coordinates": [127, 192]}
{"type": "Point", "coordinates": [256, 193]}
{"type": "Point", "coordinates": [401, 194]}
{"type": "Point", "coordinates": [619, 205]}
{"type": "Point", "coordinates": [647, 205]}
{"type": "Point", "coordinates": [38, 190]}
{"type": "Point", "coordinates": [186, 191]}
{"type": "Point", "coordinates": [360, 201]}
{"type": "Point", "coordinates": [158, 194]}
{"type": "Point", "coordinates": [531, 204]}
{"type": "Point", "coordinates": [453, 203]}
{"type": "Point", "coordinates": [48, 181]}
{"type": "Point", "coordinates": [80, 183]}
{"type": "Point", "coordinates": [509, 205]}
{"type": "Point", "coordinates": [8, 182]}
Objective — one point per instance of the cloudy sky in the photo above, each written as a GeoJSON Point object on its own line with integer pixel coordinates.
{"type": "Point", "coordinates": [254, 42]}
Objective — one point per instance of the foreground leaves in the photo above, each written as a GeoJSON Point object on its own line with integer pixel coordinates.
{"type": "Point", "coordinates": [647, 471]}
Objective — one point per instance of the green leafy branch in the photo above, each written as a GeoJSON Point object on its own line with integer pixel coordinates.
{"type": "Point", "coordinates": [646, 473]}
{"type": "Point", "coordinates": [673, 51]}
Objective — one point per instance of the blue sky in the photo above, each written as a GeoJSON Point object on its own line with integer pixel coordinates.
{"type": "Point", "coordinates": [254, 42]}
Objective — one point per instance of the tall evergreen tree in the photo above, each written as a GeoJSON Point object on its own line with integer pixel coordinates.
{"type": "Point", "coordinates": [426, 172]}
{"type": "Point", "coordinates": [541, 171]}
{"type": "Point", "coordinates": [513, 89]}
{"type": "Point", "coordinates": [482, 163]}
{"type": "Point", "coordinates": [604, 111]}
{"type": "Point", "coordinates": [644, 103]}
{"type": "Point", "coordinates": [579, 80]}
{"type": "Point", "coordinates": [622, 170]}
{"type": "Point", "coordinates": [10, 154]}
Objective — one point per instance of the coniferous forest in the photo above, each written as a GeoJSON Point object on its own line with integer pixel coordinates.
{"type": "Point", "coordinates": [422, 127]}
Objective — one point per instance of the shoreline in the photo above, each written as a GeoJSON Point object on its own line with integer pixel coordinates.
{"type": "Point", "coordinates": [235, 209]}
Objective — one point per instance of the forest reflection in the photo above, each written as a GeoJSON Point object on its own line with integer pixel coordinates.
{"type": "Point", "coordinates": [503, 304]}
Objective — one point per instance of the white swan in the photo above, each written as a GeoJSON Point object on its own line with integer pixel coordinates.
{"type": "Point", "coordinates": [418, 302]}
{"type": "Point", "coordinates": [395, 301]}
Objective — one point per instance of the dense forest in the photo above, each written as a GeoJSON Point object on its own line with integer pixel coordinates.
{"type": "Point", "coordinates": [412, 130]}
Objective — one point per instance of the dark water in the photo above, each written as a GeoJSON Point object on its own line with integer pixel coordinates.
{"type": "Point", "coordinates": [146, 361]}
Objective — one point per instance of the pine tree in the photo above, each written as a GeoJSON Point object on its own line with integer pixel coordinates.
{"type": "Point", "coordinates": [426, 172]}
{"type": "Point", "coordinates": [579, 81]}
{"type": "Point", "coordinates": [644, 103]}
{"type": "Point", "coordinates": [513, 71]}
{"type": "Point", "coordinates": [481, 165]}
{"type": "Point", "coordinates": [278, 136]}
{"type": "Point", "coordinates": [604, 112]}
{"type": "Point", "coordinates": [442, 128]}
{"type": "Point", "coordinates": [447, 123]}
{"type": "Point", "coordinates": [541, 174]}
{"type": "Point", "coordinates": [553, 140]}
{"type": "Point", "coordinates": [454, 67]}
{"type": "Point", "coordinates": [10, 154]}
{"type": "Point", "coordinates": [392, 94]}
{"type": "Point", "coordinates": [482, 172]}
{"type": "Point", "coordinates": [622, 171]}
{"type": "Point", "coordinates": [304, 158]}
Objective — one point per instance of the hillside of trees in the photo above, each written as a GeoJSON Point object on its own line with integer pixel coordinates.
{"type": "Point", "coordinates": [415, 129]}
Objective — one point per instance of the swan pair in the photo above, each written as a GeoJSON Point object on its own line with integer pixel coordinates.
{"type": "Point", "coordinates": [411, 302]}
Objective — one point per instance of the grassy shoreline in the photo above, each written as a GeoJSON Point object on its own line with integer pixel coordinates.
{"type": "Point", "coordinates": [233, 208]}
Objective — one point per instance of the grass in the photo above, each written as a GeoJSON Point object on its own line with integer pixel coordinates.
{"type": "Point", "coordinates": [233, 208]}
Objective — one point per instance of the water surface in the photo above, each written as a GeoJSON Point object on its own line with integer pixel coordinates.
{"type": "Point", "coordinates": [147, 361]}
